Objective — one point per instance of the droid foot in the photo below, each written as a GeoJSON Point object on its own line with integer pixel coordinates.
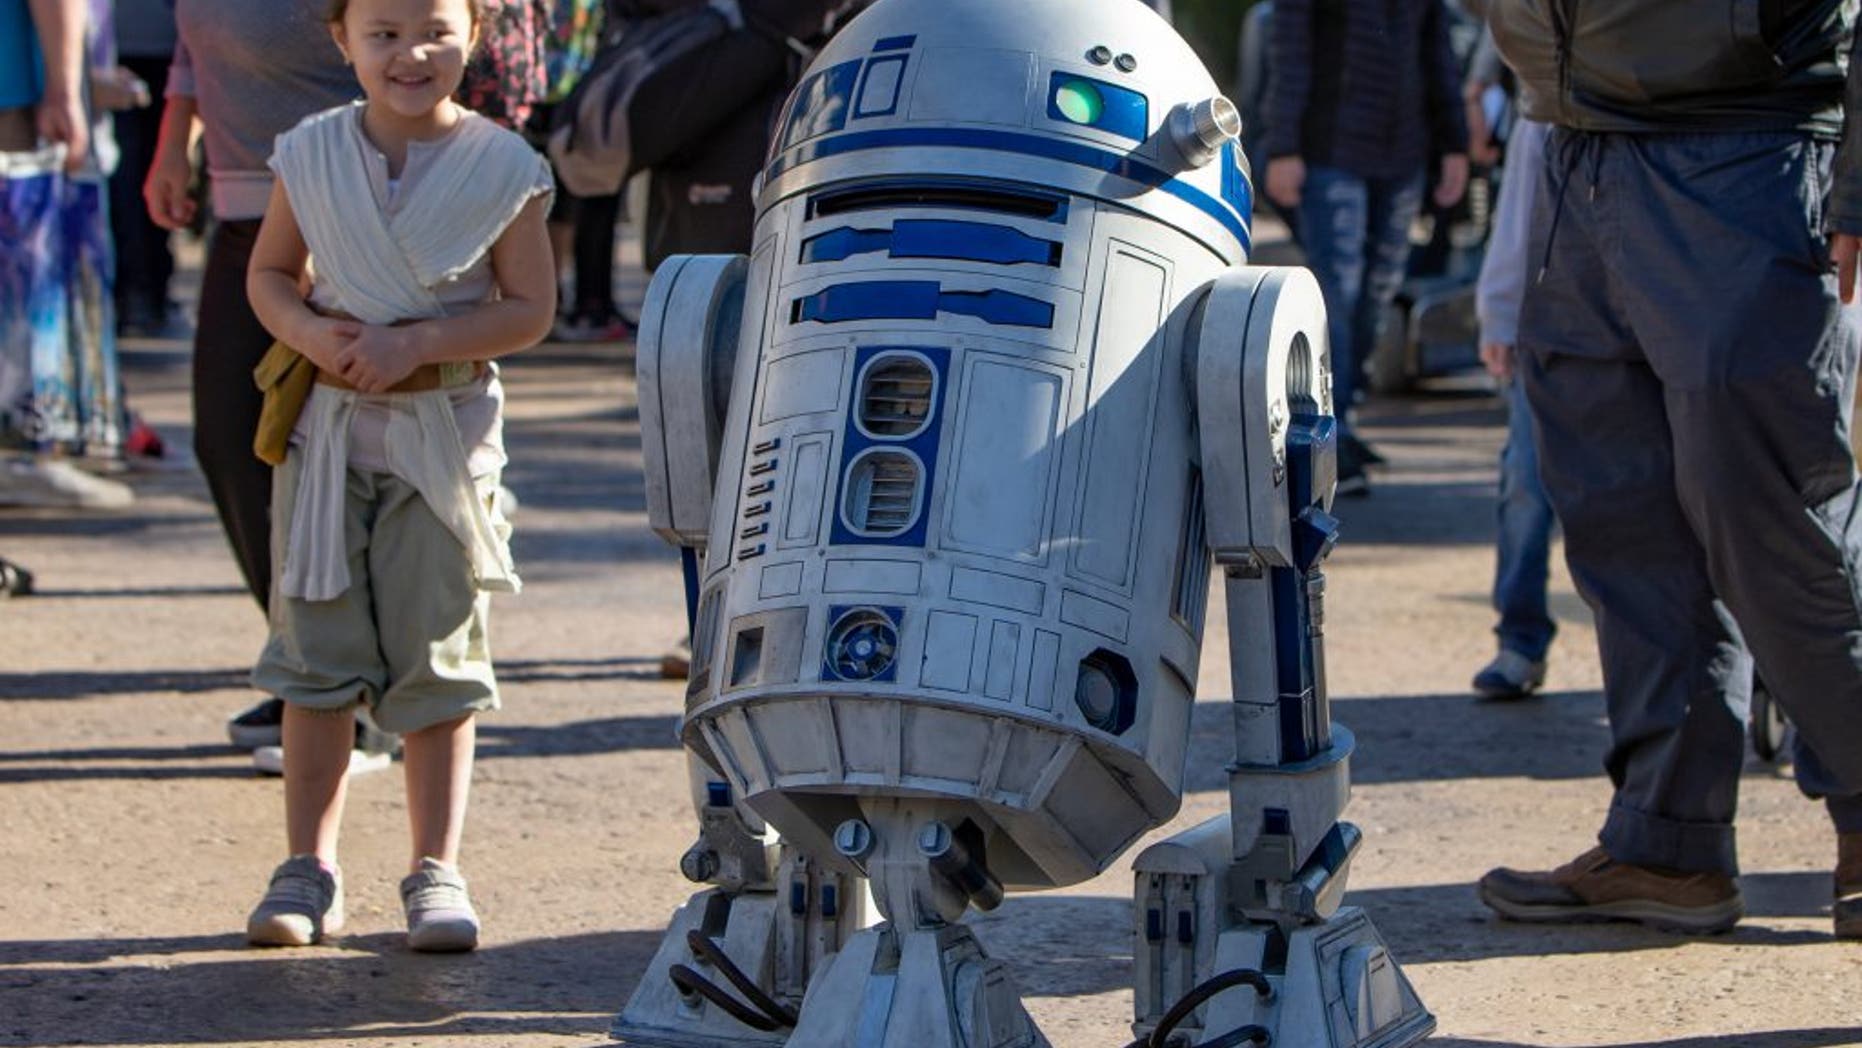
{"type": "Point", "coordinates": [929, 988]}
{"type": "Point", "coordinates": [675, 1012]}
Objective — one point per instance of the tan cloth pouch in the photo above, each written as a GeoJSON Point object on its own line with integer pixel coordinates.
{"type": "Point", "coordinates": [284, 376]}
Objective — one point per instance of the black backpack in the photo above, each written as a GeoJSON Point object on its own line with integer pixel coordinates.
{"type": "Point", "coordinates": [672, 73]}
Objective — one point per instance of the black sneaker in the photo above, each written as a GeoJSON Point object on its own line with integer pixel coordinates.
{"type": "Point", "coordinates": [1366, 455]}
{"type": "Point", "coordinates": [262, 725]}
{"type": "Point", "coordinates": [1352, 482]}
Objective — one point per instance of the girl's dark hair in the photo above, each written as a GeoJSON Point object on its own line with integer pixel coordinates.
{"type": "Point", "coordinates": [479, 9]}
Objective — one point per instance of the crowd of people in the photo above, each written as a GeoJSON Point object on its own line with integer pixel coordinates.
{"type": "Point", "coordinates": [1662, 300]}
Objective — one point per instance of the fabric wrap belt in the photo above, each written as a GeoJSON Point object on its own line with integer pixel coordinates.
{"type": "Point", "coordinates": [423, 379]}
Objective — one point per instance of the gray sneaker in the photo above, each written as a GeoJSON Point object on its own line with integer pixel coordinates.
{"type": "Point", "coordinates": [440, 918]}
{"type": "Point", "coordinates": [303, 904]}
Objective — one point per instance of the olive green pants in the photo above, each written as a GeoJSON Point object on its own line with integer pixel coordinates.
{"type": "Point", "coordinates": [408, 637]}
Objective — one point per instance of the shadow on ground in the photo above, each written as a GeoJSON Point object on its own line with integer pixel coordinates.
{"type": "Point", "coordinates": [1063, 946]}
{"type": "Point", "coordinates": [1819, 1038]}
{"type": "Point", "coordinates": [55, 684]}
{"type": "Point", "coordinates": [210, 989]}
{"type": "Point", "coordinates": [1420, 738]}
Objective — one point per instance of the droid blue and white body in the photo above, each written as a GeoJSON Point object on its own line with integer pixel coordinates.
{"type": "Point", "coordinates": [1001, 389]}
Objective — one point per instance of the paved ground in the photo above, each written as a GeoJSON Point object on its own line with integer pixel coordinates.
{"type": "Point", "coordinates": [132, 840]}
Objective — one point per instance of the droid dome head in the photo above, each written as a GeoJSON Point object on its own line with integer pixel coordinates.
{"type": "Point", "coordinates": [1096, 97]}
{"type": "Point", "coordinates": [956, 558]}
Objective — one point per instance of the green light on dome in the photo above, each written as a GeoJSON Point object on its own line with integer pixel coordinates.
{"type": "Point", "coordinates": [1079, 102]}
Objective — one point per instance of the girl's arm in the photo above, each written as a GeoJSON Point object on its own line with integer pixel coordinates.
{"type": "Point", "coordinates": [274, 287]}
{"type": "Point", "coordinates": [525, 272]}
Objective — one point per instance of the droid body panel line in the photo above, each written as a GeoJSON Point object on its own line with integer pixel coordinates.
{"type": "Point", "coordinates": [1001, 389]}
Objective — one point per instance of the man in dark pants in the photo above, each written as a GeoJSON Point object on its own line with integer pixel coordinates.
{"type": "Point", "coordinates": [1692, 370]}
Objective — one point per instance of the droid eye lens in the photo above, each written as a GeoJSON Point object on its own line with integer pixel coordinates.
{"type": "Point", "coordinates": [1079, 102]}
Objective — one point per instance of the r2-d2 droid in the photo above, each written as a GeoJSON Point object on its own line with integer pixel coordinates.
{"type": "Point", "coordinates": [959, 442]}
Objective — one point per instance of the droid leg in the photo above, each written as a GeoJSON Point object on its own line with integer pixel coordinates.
{"type": "Point", "coordinates": [1240, 935]}
{"type": "Point", "coordinates": [918, 979]}
{"type": "Point", "coordinates": [737, 957]}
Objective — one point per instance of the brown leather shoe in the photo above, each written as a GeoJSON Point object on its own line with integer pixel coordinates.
{"type": "Point", "coordinates": [1594, 887]}
{"type": "Point", "coordinates": [1847, 912]}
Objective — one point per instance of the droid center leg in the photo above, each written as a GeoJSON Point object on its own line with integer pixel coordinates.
{"type": "Point", "coordinates": [919, 979]}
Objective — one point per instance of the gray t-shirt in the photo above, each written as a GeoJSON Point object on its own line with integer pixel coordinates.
{"type": "Point", "coordinates": [254, 69]}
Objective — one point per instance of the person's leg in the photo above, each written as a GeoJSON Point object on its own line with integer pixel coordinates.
{"type": "Point", "coordinates": [438, 762]}
{"type": "Point", "coordinates": [1333, 211]}
{"type": "Point", "coordinates": [1391, 209]}
{"type": "Point", "coordinates": [595, 219]}
{"type": "Point", "coordinates": [431, 621]}
{"type": "Point", "coordinates": [144, 262]}
{"type": "Point", "coordinates": [1525, 539]}
{"type": "Point", "coordinates": [1522, 560]}
{"type": "Point", "coordinates": [316, 778]}
{"type": "Point", "coordinates": [323, 659]}
{"type": "Point", "coordinates": [1759, 370]}
{"type": "Point", "coordinates": [227, 345]}
{"type": "Point", "coordinates": [1674, 679]}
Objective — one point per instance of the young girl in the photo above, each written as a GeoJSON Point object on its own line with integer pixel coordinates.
{"type": "Point", "coordinates": [418, 227]}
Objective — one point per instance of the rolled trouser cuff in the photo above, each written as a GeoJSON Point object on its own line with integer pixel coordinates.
{"type": "Point", "coordinates": [1641, 839]}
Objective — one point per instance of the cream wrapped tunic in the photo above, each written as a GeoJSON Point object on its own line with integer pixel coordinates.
{"type": "Point", "coordinates": [383, 253]}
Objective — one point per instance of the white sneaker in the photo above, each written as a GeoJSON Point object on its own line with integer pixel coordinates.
{"type": "Point", "coordinates": [51, 483]}
{"type": "Point", "coordinates": [269, 760]}
{"type": "Point", "coordinates": [440, 918]}
{"type": "Point", "coordinates": [303, 903]}
{"type": "Point", "coordinates": [1509, 676]}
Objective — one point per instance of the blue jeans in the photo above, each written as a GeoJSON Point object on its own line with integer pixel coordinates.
{"type": "Point", "coordinates": [1525, 544]}
{"type": "Point", "coordinates": [1355, 232]}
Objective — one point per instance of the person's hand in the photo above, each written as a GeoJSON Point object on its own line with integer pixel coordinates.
{"type": "Point", "coordinates": [1286, 176]}
{"type": "Point", "coordinates": [1497, 358]}
{"type": "Point", "coordinates": [378, 357]}
{"type": "Point", "coordinates": [60, 118]}
{"type": "Point", "coordinates": [165, 191]}
{"type": "Point", "coordinates": [117, 89]}
{"type": "Point", "coordinates": [323, 340]}
{"type": "Point", "coordinates": [1454, 181]}
{"type": "Point", "coordinates": [1844, 249]}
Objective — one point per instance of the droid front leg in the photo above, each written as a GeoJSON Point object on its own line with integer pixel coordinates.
{"type": "Point", "coordinates": [737, 957]}
{"type": "Point", "coordinates": [1240, 932]}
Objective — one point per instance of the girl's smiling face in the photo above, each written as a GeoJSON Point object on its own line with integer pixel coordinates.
{"type": "Point", "coordinates": [409, 54]}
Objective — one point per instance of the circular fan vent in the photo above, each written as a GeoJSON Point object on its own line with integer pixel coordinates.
{"type": "Point", "coordinates": [863, 645]}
